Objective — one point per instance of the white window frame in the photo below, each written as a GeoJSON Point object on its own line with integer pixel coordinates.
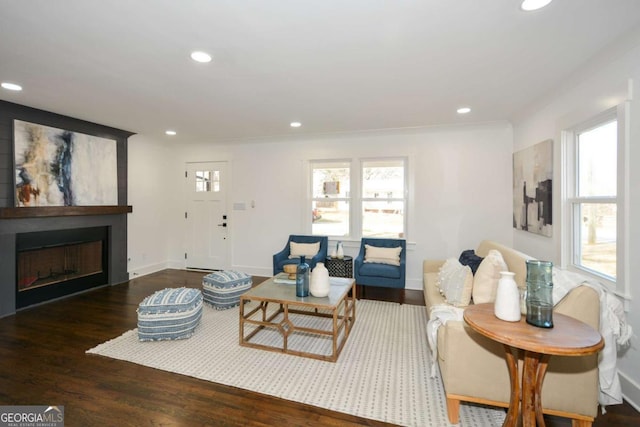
{"type": "Point", "coordinates": [362, 199]}
{"type": "Point", "coordinates": [356, 200]}
{"type": "Point", "coordinates": [571, 200]}
{"type": "Point", "coordinates": [311, 199]}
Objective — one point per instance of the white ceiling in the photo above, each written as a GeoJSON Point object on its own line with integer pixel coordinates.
{"type": "Point", "coordinates": [334, 65]}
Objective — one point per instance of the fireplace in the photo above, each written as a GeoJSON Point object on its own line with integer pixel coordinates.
{"type": "Point", "coordinates": [52, 264]}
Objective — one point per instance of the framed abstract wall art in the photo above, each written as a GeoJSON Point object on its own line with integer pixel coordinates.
{"type": "Point", "coordinates": [532, 188]}
{"type": "Point", "coordinates": [57, 167]}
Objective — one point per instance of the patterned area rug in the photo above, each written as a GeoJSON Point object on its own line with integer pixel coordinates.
{"type": "Point", "coordinates": [382, 372]}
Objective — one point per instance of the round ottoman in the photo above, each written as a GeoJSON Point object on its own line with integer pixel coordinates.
{"type": "Point", "coordinates": [169, 314]}
{"type": "Point", "coordinates": [222, 289]}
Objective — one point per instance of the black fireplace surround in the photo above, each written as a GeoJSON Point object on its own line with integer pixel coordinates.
{"type": "Point", "coordinates": [74, 221]}
{"type": "Point", "coordinates": [53, 264]}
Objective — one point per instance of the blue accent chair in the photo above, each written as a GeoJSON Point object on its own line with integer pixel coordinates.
{"type": "Point", "coordinates": [282, 257]}
{"type": "Point", "coordinates": [381, 275]}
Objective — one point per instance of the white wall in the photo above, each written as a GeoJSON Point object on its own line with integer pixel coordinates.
{"type": "Point", "coordinates": [602, 84]}
{"type": "Point", "coordinates": [147, 246]}
{"type": "Point", "coordinates": [460, 190]}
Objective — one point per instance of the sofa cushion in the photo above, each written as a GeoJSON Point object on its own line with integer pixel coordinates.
{"type": "Point", "coordinates": [485, 282]}
{"type": "Point", "coordinates": [382, 255]}
{"type": "Point", "coordinates": [309, 250]}
{"type": "Point", "coordinates": [456, 282]}
{"type": "Point", "coordinates": [470, 258]}
{"type": "Point", "coordinates": [380, 270]}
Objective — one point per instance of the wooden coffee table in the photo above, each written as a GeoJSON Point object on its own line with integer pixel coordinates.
{"type": "Point", "coordinates": [339, 308]}
{"type": "Point", "coordinates": [568, 337]}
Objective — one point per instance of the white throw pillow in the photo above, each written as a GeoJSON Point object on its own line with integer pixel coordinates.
{"type": "Point", "coordinates": [485, 282]}
{"type": "Point", "coordinates": [445, 271]}
{"type": "Point", "coordinates": [382, 255]}
{"type": "Point", "coordinates": [309, 250]}
{"type": "Point", "coordinates": [455, 281]}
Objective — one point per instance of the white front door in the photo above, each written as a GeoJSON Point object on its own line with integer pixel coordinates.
{"type": "Point", "coordinates": [206, 215]}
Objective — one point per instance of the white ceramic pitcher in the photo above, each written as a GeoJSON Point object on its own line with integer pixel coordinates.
{"type": "Point", "coordinates": [507, 305]}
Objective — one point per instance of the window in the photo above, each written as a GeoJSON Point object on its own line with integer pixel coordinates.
{"type": "Point", "coordinates": [331, 202]}
{"type": "Point", "coordinates": [594, 232]}
{"type": "Point", "coordinates": [207, 181]}
{"type": "Point", "coordinates": [373, 206]}
{"type": "Point", "coordinates": [383, 198]}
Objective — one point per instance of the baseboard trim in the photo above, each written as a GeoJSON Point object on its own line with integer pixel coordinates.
{"type": "Point", "coordinates": [147, 269]}
{"type": "Point", "coordinates": [630, 391]}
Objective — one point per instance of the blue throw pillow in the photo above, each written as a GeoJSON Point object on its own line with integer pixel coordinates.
{"type": "Point", "coordinates": [470, 258]}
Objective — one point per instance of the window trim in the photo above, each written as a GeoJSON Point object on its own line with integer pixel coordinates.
{"type": "Point", "coordinates": [570, 201]}
{"type": "Point", "coordinates": [362, 199]}
{"type": "Point", "coordinates": [356, 198]}
{"type": "Point", "coordinates": [311, 198]}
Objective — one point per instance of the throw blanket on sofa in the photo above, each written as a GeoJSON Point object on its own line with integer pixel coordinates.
{"type": "Point", "coordinates": [439, 315]}
{"type": "Point", "coordinates": [613, 327]}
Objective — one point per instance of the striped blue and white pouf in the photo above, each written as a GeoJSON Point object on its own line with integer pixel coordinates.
{"type": "Point", "coordinates": [222, 289]}
{"type": "Point", "coordinates": [169, 314]}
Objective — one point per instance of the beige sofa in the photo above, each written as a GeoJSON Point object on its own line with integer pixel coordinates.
{"type": "Point", "coordinates": [473, 368]}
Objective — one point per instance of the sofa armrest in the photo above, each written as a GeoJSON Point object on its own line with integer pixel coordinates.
{"type": "Point", "coordinates": [432, 265]}
{"type": "Point", "coordinates": [471, 364]}
{"type": "Point", "coordinates": [432, 296]}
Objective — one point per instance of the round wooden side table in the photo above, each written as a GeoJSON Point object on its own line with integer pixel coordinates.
{"type": "Point", "coordinates": [568, 337]}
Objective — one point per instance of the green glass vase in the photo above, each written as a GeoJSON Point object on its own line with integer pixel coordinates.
{"type": "Point", "coordinates": [540, 293]}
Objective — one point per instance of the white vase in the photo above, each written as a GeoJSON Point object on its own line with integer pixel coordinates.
{"type": "Point", "coordinates": [340, 253]}
{"type": "Point", "coordinates": [507, 305]}
{"type": "Point", "coordinates": [320, 286]}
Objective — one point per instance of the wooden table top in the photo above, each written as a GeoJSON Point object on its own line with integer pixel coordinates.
{"type": "Point", "coordinates": [568, 337]}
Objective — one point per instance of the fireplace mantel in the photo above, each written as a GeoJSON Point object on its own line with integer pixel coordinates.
{"type": "Point", "coordinates": [52, 211]}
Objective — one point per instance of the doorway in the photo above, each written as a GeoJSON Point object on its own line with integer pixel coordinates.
{"type": "Point", "coordinates": [206, 216]}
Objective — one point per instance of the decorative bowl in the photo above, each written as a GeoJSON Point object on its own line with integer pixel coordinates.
{"type": "Point", "coordinates": [290, 269]}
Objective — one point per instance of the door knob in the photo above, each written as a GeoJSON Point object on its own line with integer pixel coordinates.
{"type": "Point", "coordinates": [224, 224]}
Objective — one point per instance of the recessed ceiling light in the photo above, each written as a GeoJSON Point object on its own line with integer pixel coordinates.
{"type": "Point", "coordinates": [529, 5]}
{"type": "Point", "coordinates": [11, 86]}
{"type": "Point", "coordinates": [295, 124]}
{"type": "Point", "coordinates": [199, 56]}
{"type": "Point", "coordinates": [463, 110]}
{"type": "Point", "coordinates": [170, 132]}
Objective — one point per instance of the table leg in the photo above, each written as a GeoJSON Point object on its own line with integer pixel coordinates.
{"type": "Point", "coordinates": [535, 368]}
{"type": "Point", "coordinates": [527, 413]}
{"type": "Point", "coordinates": [514, 401]}
{"type": "Point", "coordinates": [542, 370]}
{"type": "Point", "coordinates": [242, 301]}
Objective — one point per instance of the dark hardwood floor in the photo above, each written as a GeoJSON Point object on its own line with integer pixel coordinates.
{"type": "Point", "coordinates": [43, 362]}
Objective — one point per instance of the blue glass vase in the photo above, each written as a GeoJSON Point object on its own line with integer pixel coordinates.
{"type": "Point", "coordinates": [539, 293]}
{"type": "Point", "coordinates": [302, 278]}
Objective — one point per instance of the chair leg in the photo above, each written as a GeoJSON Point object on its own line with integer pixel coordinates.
{"type": "Point", "coordinates": [401, 296]}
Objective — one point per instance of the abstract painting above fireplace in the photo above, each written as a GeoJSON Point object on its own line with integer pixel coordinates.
{"type": "Point", "coordinates": [56, 167]}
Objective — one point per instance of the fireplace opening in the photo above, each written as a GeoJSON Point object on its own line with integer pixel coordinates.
{"type": "Point", "coordinates": [52, 264]}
